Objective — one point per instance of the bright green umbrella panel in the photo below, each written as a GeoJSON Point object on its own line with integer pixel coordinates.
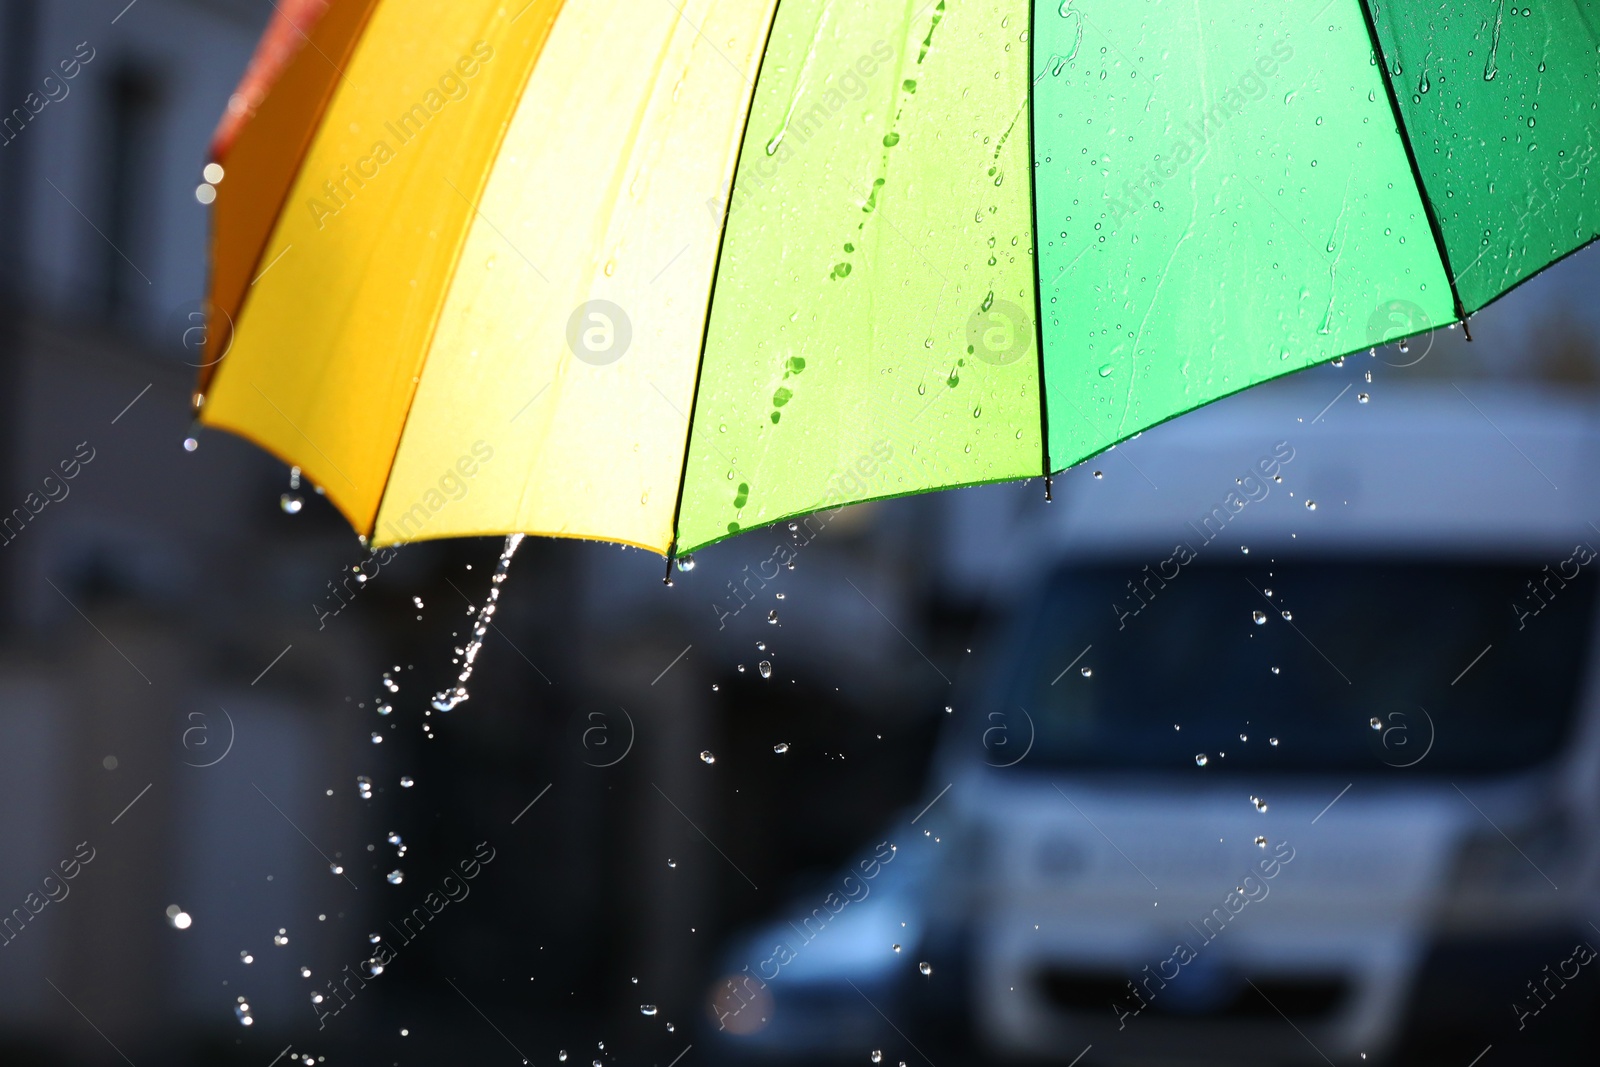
{"type": "Point", "coordinates": [1502, 104]}
{"type": "Point", "coordinates": [871, 329]}
{"type": "Point", "coordinates": [1223, 200]}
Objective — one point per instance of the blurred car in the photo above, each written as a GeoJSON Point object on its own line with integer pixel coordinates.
{"type": "Point", "coordinates": [1296, 755]}
{"type": "Point", "coordinates": [1288, 746]}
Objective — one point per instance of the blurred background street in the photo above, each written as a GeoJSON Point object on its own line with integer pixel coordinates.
{"type": "Point", "coordinates": [863, 737]}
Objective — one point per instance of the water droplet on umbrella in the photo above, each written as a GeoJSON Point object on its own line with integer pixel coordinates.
{"type": "Point", "coordinates": [1258, 617]}
{"type": "Point", "coordinates": [1105, 370]}
{"type": "Point", "coordinates": [686, 563]}
{"type": "Point", "coordinates": [707, 757]}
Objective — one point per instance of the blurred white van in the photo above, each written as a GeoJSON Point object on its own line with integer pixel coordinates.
{"type": "Point", "coordinates": [1291, 746]}
{"type": "Point", "coordinates": [1288, 748]}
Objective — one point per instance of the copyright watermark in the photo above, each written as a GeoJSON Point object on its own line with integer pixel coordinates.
{"type": "Point", "coordinates": [1399, 322]}
{"type": "Point", "coordinates": [999, 332]}
{"type": "Point", "coordinates": [207, 739]}
{"type": "Point", "coordinates": [186, 333]}
{"type": "Point", "coordinates": [599, 332]}
{"type": "Point", "coordinates": [603, 738]}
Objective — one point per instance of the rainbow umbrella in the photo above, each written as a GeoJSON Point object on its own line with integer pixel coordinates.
{"type": "Point", "coordinates": [658, 271]}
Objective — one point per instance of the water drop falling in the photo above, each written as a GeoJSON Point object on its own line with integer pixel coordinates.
{"type": "Point", "coordinates": [707, 757]}
{"type": "Point", "coordinates": [364, 786]}
{"type": "Point", "coordinates": [281, 938]}
{"type": "Point", "coordinates": [1288, 616]}
{"type": "Point", "coordinates": [877, 1056]}
{"type": "Point", "coordinates": [1087, 672]}
{"type": "Point", "coordinates": [396, 876]}
{"type": "Point", "coordinates": [1261, 805]}
{"type": "Point", "coordinates": [1201, 760]}
{"type": "Point", "coordinates": [190, 444]}
{"type": "Point", "coordinates": [406, 781]}
{"type": "Point", "coordinates": [781, 747]}
{"type": "Point", "coordinates": [772, 617]}
{"type": "Point", "coordinates": [647, 1009]}
{"type": "Point", "coordinates": [242, 1011]}
{"type": "Point", "coordinates": [291, 503]}
{"type": "Point", "coordinates": [1261, 842]}
{"type": "Point", "coordinates": [925, 967]}
{"type": "Point", "coordinates": [1311, 505]}
{"type": "Point", "coordinates": [305, 972]}
{"type": "Point", "coordinates": [1258, 617]}
{"type": "Point", "coordinates": [765, 667]}
{"type": "Point", "coordinates": [1375, 722]}
{"type": "Point", "coordinates": [1273, 741]}
{"type": "Point", "coordinates": [1362, 398]}
{"type": "Point", "coordinates": [246, 958]}
{"type": "Point", "coordinates": [451, 698]}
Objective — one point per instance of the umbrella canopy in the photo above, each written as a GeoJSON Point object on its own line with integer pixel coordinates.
{"type": "Point", "coordinates": [658, 272]}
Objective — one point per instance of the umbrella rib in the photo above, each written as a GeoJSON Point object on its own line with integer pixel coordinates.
{"type": "Point", "coordinates": [1038, 276]}
{"type": "Point", "coordinates": [711, 292]}
{"type": "Point", "coordinates": [1411, 158]}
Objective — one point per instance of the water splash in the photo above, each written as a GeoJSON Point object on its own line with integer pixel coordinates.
{"type": "Point", "coordinates": [447, 699]}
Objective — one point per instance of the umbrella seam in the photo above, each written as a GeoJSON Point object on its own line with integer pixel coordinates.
{"type": "Point", "coordinates": [711, 291]}
{"type": "Point", "coordinates": [1411, 158]}
{"type": "Point", "coordinates": [1038, 275]}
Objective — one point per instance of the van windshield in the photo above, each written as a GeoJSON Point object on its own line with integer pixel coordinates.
{"type": "Point", "coordinates": [1343, 665]}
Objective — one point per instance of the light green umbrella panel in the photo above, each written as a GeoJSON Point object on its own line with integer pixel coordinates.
{"type": "Point", "coordinates": [659, 274]}
{"type": "Point", "coordinates": [1222, 193]}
